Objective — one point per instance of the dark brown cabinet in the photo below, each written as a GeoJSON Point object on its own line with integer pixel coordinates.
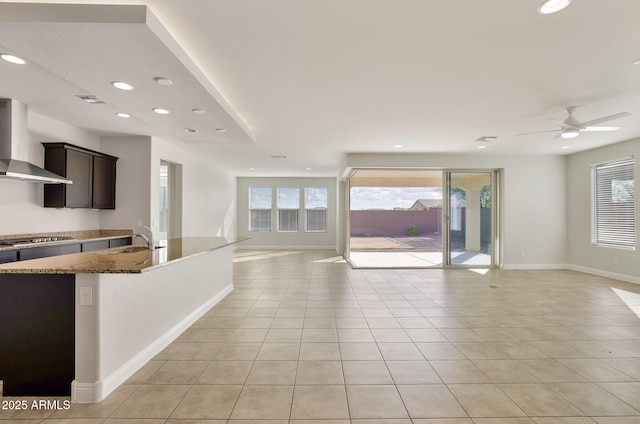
{"type": "Point", "coordinates": [120, 242]}
{"type": "Point", "coordinates": [79, 168]}
{"type": "Point", "coordinates": [93, 175]}
{"type": "Point", "coordinates": [37, 334]}
{"type": "Point", "coordinates": [95, 245]}
{"type": "Point", "coordinates": [105, 244]}
{"type": "Point", "coordinates": [8, 256]}
{"type": "Point", "coordinates": [47, 251]}
{"type": "Point", "coordinates": [104, 183]}
{"type": "Point", "coordinates": [24, 254]}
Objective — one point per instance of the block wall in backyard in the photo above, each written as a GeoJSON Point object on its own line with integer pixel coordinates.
{"type": "Point", "coordinates": [394, 223]}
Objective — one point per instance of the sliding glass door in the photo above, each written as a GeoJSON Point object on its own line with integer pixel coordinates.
{"type": "Point", "coordinates": [422, 218]}
{"type": "Point", "coordinates": [470, 218]}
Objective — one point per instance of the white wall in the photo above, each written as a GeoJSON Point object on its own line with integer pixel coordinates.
{"type": "Point", "coordinates": [583, 255]}
{"type": "Point", "coordinates": [21, 203]}
{"type": "Point", "coordinates": [133, 182]}
{"type": "Point", "coordinates": [208, 192]}
{"type": "Point", "coordinates": [533, 200]}
{"type": "Point", "coordinates": [286, 240]}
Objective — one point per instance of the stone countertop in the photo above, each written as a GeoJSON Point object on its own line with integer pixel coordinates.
{"type": "Point", "coordinates": [132, 259]}
{"type": "Point", "coordinates": [78, 237]}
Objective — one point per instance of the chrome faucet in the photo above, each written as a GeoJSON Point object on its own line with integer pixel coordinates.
{"type": "Point", "coordinates": [148, 239]}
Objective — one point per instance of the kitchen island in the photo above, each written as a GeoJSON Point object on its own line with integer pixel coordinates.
{"type": "Point", "coordinates": [110, 311]}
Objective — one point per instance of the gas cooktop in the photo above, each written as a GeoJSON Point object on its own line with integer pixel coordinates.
{"type": "Point", "coordinates": [31, 240]}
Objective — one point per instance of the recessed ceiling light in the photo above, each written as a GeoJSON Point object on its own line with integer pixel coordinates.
{"type": "Point", "coordinates": [307, 169]}
{"type": "Point", "coordinates": [161, 111]}
{"type": "Point", "coordinates": [163, 81]}
{"type": "Point", "coordinates": [553, 6]}
{"type": "Point", "coordinates": [13, 59]}
{"type": "Point", "coordinates": [121, 85]}
{"type": "Point", "coordinates": [221, 130]}
{"type": "Point", "coordinates": [252, 169]}
{"type": "Point", "coordinates": [191, 130]}
{"type": "Point", "coordinates": [123, 115]}
{"type": "Point", "coordinates": [198, 111]}
{"type": "Point", "coordinates": [398, 146]}
{"type": "Point", "coordinates": [482, 147]}
{"type": "Point", "coordinates": [565, 147]}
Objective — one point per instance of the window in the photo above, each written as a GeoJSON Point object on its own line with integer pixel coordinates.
{"type": "Point", "coordinates": [260, 209]}
{"type": "Point", "coordinates": [613, 204]}
{"type": "Point", "coordinates": [315, 204]}
{"type": "Point", "coordinates": [288, 206]}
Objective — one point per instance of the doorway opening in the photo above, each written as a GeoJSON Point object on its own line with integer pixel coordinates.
{"type": "Point", "coordinates": [421, 218]}
{"type": "Point", "coordinates": [170, 196]}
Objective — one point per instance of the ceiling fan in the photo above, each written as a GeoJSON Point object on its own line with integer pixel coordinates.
{"type": "Point", "coordinates": [571, 127]}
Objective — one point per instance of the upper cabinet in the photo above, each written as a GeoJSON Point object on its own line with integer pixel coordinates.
{"type": "Point", "coordinates": [93, 175]}
{"type": "Point", "coordinates": [104, 182]}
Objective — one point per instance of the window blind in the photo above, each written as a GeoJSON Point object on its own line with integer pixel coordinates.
{"type": "Point", "coordinates": [316, 220]}
{"type": "Point", "coordinates": [614, 204]}
{"type": "Point", "coordinates": [288, 220]}
{"type": "Point", "coordinates": [260, 220]}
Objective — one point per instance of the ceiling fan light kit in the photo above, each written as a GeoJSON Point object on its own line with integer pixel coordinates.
{"type": "Point", "coordinates": [570, 133]}
{"type": "Point", "coordinates": [552, 6]}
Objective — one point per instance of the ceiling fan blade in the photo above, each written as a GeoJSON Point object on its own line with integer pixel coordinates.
{"type": "Point", "coordinates": [557, 121]}
{"type": "Point", "coordinates": [604, 119]}
{"type": "Point", "coordinates": [538, 132]}
{"type": "Point", "coordinates": [600, 129]}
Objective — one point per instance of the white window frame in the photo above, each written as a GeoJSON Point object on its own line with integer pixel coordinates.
{"type": "Point", "coordinates": [260, 211]}
{"type": "Point", "coordinates": [288, 211]}
{"type": "Point", "coordinates": [319, 209]}
{"type": "Point", "coordinates": [613, 222]}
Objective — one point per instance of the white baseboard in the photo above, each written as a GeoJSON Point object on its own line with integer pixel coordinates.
{"type": "Point", "coordinates": [98, 391]}
{"type": "Point", "coordinates": [534, 266]}
{"type": "Point", "coordinates": [608, 274]}
{"type": "Point", "coordinates": [83, 392]}
{"type": "Point", "coordinates": [593, 271]}
{"type": "Point", "coordinates": [245, 246]}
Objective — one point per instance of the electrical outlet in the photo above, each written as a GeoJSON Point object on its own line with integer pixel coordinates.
{"type": "Point", "coordinates": [523, 253]}
{"type": "Point", "coordinates": [616, 261]}
{"type": "Point", "coordinates": [86, 296]}
{"type": "Point", "coordinates": [139, 223]}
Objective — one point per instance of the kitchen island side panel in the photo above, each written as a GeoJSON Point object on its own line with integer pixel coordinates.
{"type": "Point", "coordinates": [135, 316]}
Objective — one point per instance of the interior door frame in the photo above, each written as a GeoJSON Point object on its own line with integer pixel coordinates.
{"type": "Point", "coordinates": [174, 188]}
{"type": "Point", "coordinates": [347, 217]}
{"type": "Point", "coordinates": [446, 221]}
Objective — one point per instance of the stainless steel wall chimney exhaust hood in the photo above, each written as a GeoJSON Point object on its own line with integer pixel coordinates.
{"type": "Point", "coordinates": [13, 146]}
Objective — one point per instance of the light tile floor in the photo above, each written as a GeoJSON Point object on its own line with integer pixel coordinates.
{"type": "Point", "coordinates": [413, 259]}
{"type": "Point", "coordinates": [305, 338]}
